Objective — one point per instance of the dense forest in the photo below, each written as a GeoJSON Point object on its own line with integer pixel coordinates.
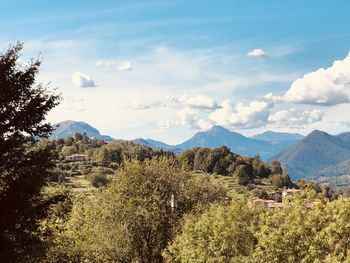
{"type": "Point", "coordinates": [147, 205]}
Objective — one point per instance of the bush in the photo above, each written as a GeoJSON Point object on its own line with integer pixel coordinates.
{"type": "Point", "coordinates": [98, 180]}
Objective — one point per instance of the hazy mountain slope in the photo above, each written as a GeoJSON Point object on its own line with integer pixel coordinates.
{"type": "Point", "coordinates": [315, 152]}
{"type": "Point", "coordinates": [65, 128]}
{"type": "Point", "coordinates": [342, 168]}
{"type": "Point", "coordinates": [345, 136]}
{"type": "Point", "coordinates": [280, 140]}
{"type": "Point", "coordinates": [219, 136]}
{"type": "Point", "coordinates": [271, 136]}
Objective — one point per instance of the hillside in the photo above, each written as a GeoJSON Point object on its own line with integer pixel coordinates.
{"type": "Point", "coordinates": [315, 152]}
{"type": "Point", "coordinates": [69, 128]}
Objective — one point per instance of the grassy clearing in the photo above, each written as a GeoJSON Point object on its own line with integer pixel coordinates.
{"type": "Point", "coordinates": [77, 183]}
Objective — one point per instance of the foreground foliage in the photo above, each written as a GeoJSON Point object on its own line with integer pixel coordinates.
{"type": "Point", "coordinates": [134, 218]}
{"type": "Point", "coordinates": [295, 233]}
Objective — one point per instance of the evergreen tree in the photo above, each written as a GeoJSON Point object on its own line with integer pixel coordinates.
{"type": "Point", "coordinates": [24, 162]}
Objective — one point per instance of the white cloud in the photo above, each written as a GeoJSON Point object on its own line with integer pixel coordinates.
{"type": "Point", "coordinates": [125, 66]}
{"type": "Point", "coordinates": [195, 102]}
{"type": "Point", "coordinates": [198, 102]}
{"type": "Point", "coordinates": [205, 125]}
{"type": "Point", "coordinates": [168, 124]}
{"type": "Point", "coordinates": [137, 105]}
{"type": "Point", "coordinates": [253, 115]}
{"type": "Point", "coordinates": [291, 117]}
{"type": "Point", "coordinates": [122, 66]}
{"type": "Point", "coordinates": [188, 117]}
{"type": "Point", "coordinates": [82, 81]}
{"type": "Point", "coordinates": [327, 87]}
{"type": "Point", "coordinates": [257, 52]}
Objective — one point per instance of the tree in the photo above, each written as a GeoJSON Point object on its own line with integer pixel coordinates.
{"type": "Point", "coordinates": [291, 234]}
{"type": "Point", "coordinates": [244, 174]}
{"type": "Point", "coordinates": [222, 234]}
{"type": "Point", "coordinates": [134, 218]}
{"type": "Point", "coordinates": [276, 167]}
{"type": "Point", "coordinates": [24, 163]}
{"type": "Point", "coordinates": [336, 233]}
{"type": "Point", "coordinates": [281, 180]}
{"type": "Point", "coordinates": [186, 159]}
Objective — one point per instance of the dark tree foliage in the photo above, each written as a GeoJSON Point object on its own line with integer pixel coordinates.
{"type": "Point", "coordinates": [281, 180]}
{"type": "Point", "coordinates": [276, 167]}
{"type": "Point", "coordinates": [24, 162]}
{"type": "Point", "coordinates": [223, 162]}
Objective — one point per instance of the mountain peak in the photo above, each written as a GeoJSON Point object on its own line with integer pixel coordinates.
{"type": "Point", "coordinates": [217, 129]}
{"type": "Point", "coordinates": [69, 128]}
{"type": "Point", "coordinates": [317, 135]}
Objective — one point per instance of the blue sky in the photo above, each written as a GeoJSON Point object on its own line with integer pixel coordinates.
{"type": "Point", "coordinates": [167, 69]}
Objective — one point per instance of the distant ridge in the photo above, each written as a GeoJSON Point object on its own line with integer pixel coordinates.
{"type": "Point", "coordinates": [271, 136]}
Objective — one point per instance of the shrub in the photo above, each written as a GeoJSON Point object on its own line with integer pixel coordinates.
{"type": "Point", "coordinates": [98, 180]}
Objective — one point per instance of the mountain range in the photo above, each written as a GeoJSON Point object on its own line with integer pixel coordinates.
{"type": "Point", "coordinates": [318, 155]}
{"type": "Point", "coordinates": [265, 145]}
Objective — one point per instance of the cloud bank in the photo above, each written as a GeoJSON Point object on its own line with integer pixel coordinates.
{"type": "Point", "coordinates": [326, 87]}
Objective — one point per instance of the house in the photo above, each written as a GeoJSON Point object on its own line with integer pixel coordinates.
{"type": "Point", "coordinates": [76, 158]}
{"type": "Point", "coordinates": [289, 192]}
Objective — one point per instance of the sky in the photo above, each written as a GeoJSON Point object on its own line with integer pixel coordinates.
{"type": "Point", "coordinates": [168, 69]}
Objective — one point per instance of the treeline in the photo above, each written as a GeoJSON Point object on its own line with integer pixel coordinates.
{"type": "Point", "coordinates": [100, 151]}
{"type": "Point", "coordinates": [221, 161]}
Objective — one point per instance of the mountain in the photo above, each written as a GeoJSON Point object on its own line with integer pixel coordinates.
{"type": "Point", "coordinates": [314, 153]}
{"type": "Point", "coordinates": [280, 140]}
{"type": "Point", "coordinates": [339, 169]}
{"type": "Point", "coordinates": [271, 136]}
{"type": "Point", "coordinates": [157, 145]}
{"type": "Point", "coordinates": [69, 128]}
{"type": "Point", "coordinates": [219, 136]}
